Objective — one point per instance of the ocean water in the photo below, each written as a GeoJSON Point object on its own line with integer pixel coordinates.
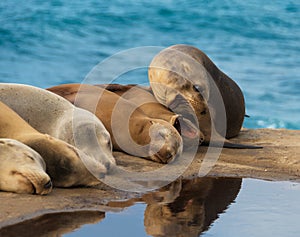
{"type": "Point", "coordinates": [45, 43]}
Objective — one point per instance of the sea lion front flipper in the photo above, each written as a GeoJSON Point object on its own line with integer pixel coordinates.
{"type": "Point", "coordinates": [231, 145]}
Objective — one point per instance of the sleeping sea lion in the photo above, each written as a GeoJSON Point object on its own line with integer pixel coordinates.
{"type": "Point", "coordinates": [22, 170]}
{"type": "Point", "coordinates": [154, 109]}
{"type": "Point", "coordinates": [51, 114]}
{"type": "Point", "coordinates": [184, 79]}
{"type": "Point", "coordinates": [132, 131]}
{"type": "Point", "coordinates": [65, 164]}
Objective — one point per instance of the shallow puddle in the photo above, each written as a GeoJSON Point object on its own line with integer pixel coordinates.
{"type": "Point", "coordinates": [203, 206]}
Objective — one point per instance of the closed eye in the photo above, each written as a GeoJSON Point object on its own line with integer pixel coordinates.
{"type": "Point", "coordinates": [109, 144]}
{"type": "Point", "coordinates": [30, 157]}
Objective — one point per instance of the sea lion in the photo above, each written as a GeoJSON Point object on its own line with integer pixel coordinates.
{"type": "Point", "coordinates": [132, 131]}
{"type": "Point", "coordinates": [231, 93]}
{"type": "Point", "coordinates": [185, 80]}
{"type": "Point", "coordinates": [65, 164]}
{"type": "Point", "coordinates": [51, 114]}
{"type": "Point", "coordinates": [154, 109]}
{"type": "Point", "coordinates": [22, 170]}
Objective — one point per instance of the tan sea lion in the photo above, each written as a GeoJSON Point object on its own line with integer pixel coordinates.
{"type": "Point", "coordinates": [185, 80]}
{"type": "Point", "coordinates": [51, 114]}
{"type": "Point", "coordinates": [22, 170]}
{"type": "Point", "coordinates": [131, 130]}
{"type": "Point", "coordinates": [154, 109]}
{"type": "Point", "coordinates": [65, 164]}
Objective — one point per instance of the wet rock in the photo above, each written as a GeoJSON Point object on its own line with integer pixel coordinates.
{"type": "Point", "coordinates": [278, 160]}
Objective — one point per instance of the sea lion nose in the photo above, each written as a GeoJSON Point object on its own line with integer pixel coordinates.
{"type": "Point", "coordinates": [201, 138]}
{"type": "Point", "coordinates": [168, 155]}
{"type": "Point", "coordinates": [107, 165]}
{"type": "Point", "coordinates": [101, 175]}
{"type": "Point", "coordinates": [48, 185]}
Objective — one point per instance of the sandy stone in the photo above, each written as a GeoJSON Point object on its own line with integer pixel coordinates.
{"type": "Point", "coordinates": [278, 160]}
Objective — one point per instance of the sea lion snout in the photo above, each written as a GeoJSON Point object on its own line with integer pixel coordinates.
{"type": "Point", "coordinates": [166, 143]}
{"type": "Point", "coordinates": [22, 170]}
{"type": "Point", "coordinates": [48, 185]}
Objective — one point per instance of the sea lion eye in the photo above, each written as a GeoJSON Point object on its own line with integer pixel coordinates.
{"type": "Point", "coordinates": [196, 88]}
{"type": "Point", "coordinates": [30, 157]}
{"type": "Point", "coordinates": [109, 144]}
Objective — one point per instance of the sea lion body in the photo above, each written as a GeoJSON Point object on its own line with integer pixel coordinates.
{"type": "Point", "coordinates": [51, 114]}
{"type": "Point", "coordinates": [171, 74]}
{"type": "Point", "coordinates": [22, 170]}
{"type": "Point", "coordinates": [131, 130]}
{"type": "Point", "coordinates": [185, 80]}
{"type": "Point", "coordinates": [231, 93]}
{"type": "Point", "coordinates": [146, 102]}
{"type": "Point", "coordinates": [190, 71]}
{"type": "Point", "coordinates": [65, 164]}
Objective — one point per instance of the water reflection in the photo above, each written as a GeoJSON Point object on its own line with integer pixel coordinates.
{"type": "Point", "coordinates": [183, 208]}
{"type": "Point", "coordinates": [54, 224]}
{"type": "Point", "coordinates": [194, 209]}
{"type": "Point", "coordinates": [186, 207]}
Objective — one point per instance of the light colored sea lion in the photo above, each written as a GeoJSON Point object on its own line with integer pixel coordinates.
{"type": "Point", "coordinates": [22, 170]}
{"type": "Point", "coordinates": [51, 114]}
{"type": "Point", "coordinates": [154, 109]}
{"type": "Point", "coordinates": [185, 80]}
{"type": "Point", "coordinates": [131, 130]}
{"type": "Point", "coordinates": [65, 164]}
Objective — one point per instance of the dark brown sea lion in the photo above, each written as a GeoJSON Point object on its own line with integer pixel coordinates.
{"type": "Point", "coordinates": [131, 130]}
{"type": "Point", "coordinates": [231, 93]}
{"type": "Point", "coordinates": [185, 80]}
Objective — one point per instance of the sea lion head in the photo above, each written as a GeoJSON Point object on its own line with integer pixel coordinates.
{"type": "Point", "coordinates": [67, 165]}
{"type": "Point", "coordinates": [91, 137]}
{"type": "Point", "coordinates": [174, 79]}
{"type": "Point", "coordinates": [183, 98]}
{"type": "Point", "coordinates": [22, 170]}
{"type": "Point", "coordinates": [166, 143]}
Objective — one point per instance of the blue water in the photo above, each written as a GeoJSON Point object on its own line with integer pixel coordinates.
{"type": "Point", "coordinates": [45, 43]}
{"type": "Point", "coordinates": [261, 209]}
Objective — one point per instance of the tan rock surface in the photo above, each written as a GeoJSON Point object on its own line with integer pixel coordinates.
{"type": "Point", "coordinates": [278, 160]}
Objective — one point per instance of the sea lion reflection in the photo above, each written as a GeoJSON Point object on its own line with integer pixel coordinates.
{"type": "Point", "coordinates": [53, 224]}
{"type": "Point", "coordinates": [193, 210]}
